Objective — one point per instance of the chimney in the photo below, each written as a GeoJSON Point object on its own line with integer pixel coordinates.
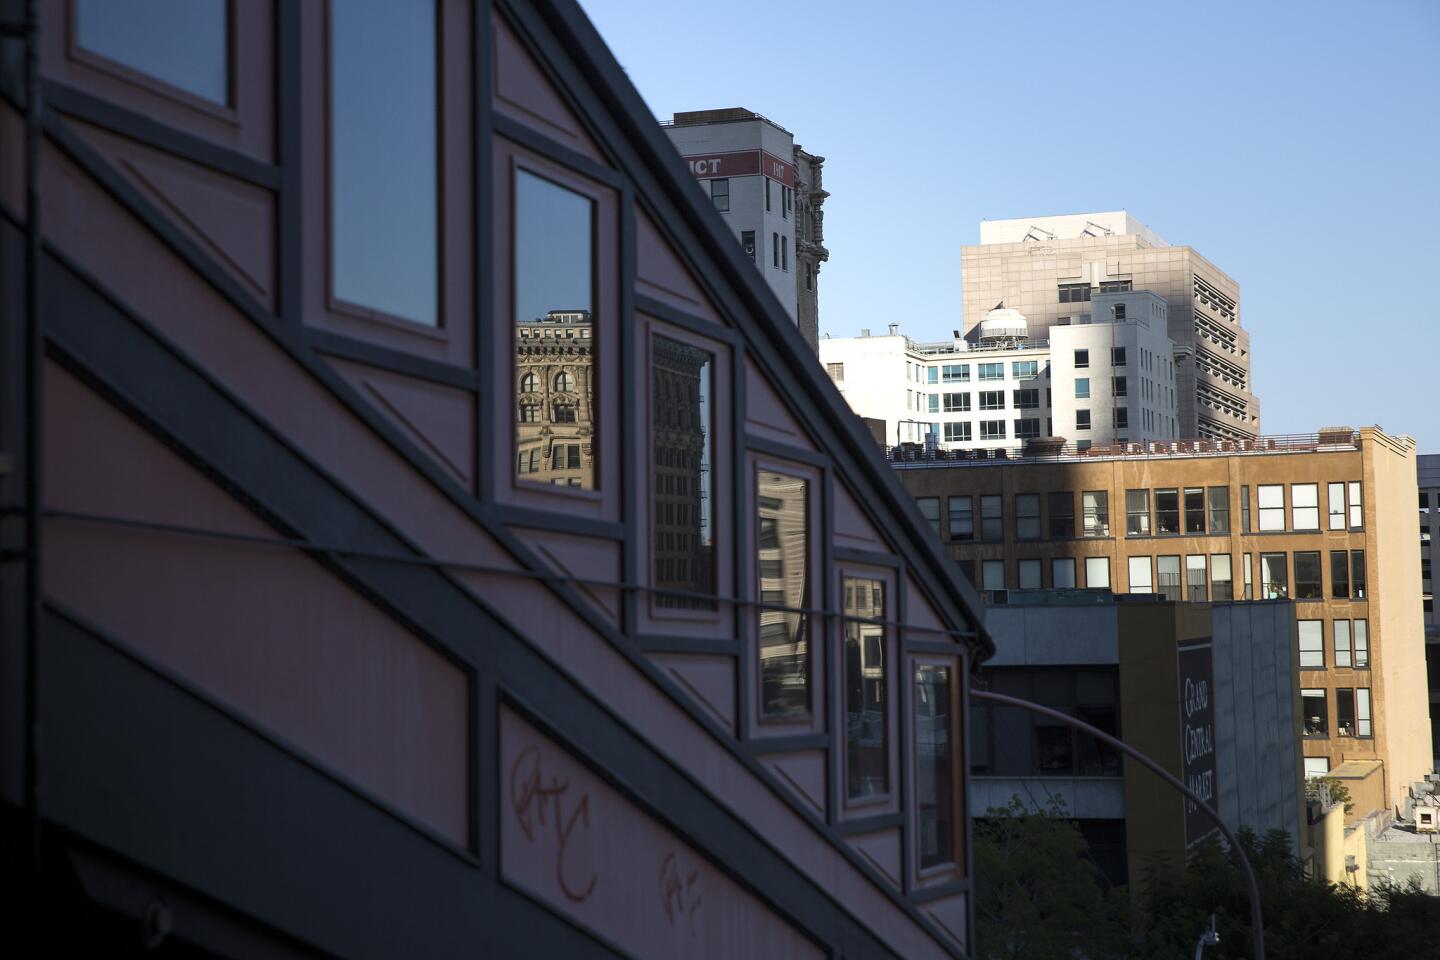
{"type": "Point", "coordinates": [864, 331]}
{"type": "Point", "coordinates": [894, 329]}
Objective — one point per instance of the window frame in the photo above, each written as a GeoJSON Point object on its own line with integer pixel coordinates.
{"type": "Point", "coordinates": [603, 502]}
{"type": "Point", "coordinates": [950, 517]}
{"type": "Point", "coordinates": [940, 870]}
{"type": "Point", "coordinates": [1316, 648]}
{"type": "Point", "coordinates": [373, 317]}
{"type": "Point", "coordinates": [987, 500]}
{"type": "Point", "coordinates": [1054, 517]}
{"type": "Point", "coordinates": [1057, 564]}
{"type": "Point", "coordinates": [890, 650]}
{"type": "Point", "coordinates": [1100, 528]}
{"type": "Point", "coordinates": [228, 112]}
{"type": "Point", "coordinates": [1130, 580]}
{"type": "Point", "coordinates": [760, 724]}
{"type": "Point", "coordinates": [1310, 491]}
{"type": "Point", "coordinates": [1315, 589]}
{"type": "Point", "coordinates": [1131, 513]}
{"type": "Point", "coordinates": [1267, 515]}
{"type": "Point", "coordinates": [1032, 517]}
{"type": "Point", "coordinates": [1315, 693]}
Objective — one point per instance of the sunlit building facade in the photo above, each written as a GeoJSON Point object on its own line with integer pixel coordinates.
{"type": "Point", "coordinates": [419, 520]}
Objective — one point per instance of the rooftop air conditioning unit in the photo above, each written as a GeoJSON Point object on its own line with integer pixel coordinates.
{"type": "Point", "coordinates": [1426, 817]}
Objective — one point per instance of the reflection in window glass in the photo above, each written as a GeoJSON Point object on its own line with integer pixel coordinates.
{"type": "Point", "coordinates": [1195, 578]}
{"type": "Point", "coordinates": [935, 765]}
{"type": "Point", "coordinates": [1272, 507]}
{"type": "Point", "coordinates": [1167, 577]}
{"type": "Point", "coordinates": [867, 758]}
{"type": "Point", "coordinates": [681, 421]}
{"type": "Point", "coordinates": [1062, 572]}
{"type": "Point", "coordinates": [1221, 577]}
{"type": "Point", "coordinates": [1095, 507]}
{"type": "Point", "coordinates": [1312, 644]}
{"type": "Point", "coordinates": [782, 556]}
{"type": "Point", "coordinates": [383, 191]}
{"type": "Point", "coordinates": [1137, 513]}
{"type": "Point", "coordinates": [1304, 506]}
{"type": "Point", "coordinates": [1342, 643]}
{"type": "Point", "coordinates": [184, 43]}
{"type": "Point", "coordinates": [1097, 572]}
{"type": "Point", "coordinates": [554, 330]}
{"type": "Point", "coordinates": [1140, 578]}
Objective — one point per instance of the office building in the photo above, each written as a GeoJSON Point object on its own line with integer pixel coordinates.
{"type": "Point", "coordinates": [1096, 384]}
{"type": "Point", "coordinates": [505, 582]}
{"type": "Point", "coordinates": [1323, 520]}
{"type": "Point", "coordinates": [1428, 471]}
{"type": "Point", "coordinates": [769, 192]}
{"type": "Point", "coordinates": [1050, 269]}
{"type": "Point", "coordinates": [1208, 690]}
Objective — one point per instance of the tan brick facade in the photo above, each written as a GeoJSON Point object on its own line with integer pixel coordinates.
{"type": "Point", "coordinates": [1388, 605]}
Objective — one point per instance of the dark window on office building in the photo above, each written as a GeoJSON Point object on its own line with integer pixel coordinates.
{"type": "Point", "coordinates": [1194, 510]}
{"type": "Point", "coordinates": [1062, 515]}
{"type": "Point", "coordinates": [1307, 576]}
{"type": "Point", "coordinates": [1074, 292]}
{"type": "Point", "coordinates": [1167, 511]}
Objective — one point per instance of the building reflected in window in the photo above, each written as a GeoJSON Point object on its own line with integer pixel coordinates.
{"type": "Point", "coordinates": [681, 425]}
{"type": "Point", "coordinates": [867, 757]}
{"type": "Point", "coordinates": [784, 581]}
{"type": "Point", "coordinates": [554, 335]}
{"type": "Point", "coordinates": [934, 765]}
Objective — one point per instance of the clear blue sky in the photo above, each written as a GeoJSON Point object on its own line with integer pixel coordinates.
{"type": "Point", "coordinates": [1296, 145]}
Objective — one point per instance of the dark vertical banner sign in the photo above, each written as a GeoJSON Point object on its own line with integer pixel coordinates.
{"type": "Point", "coordinates": [1197, 732]}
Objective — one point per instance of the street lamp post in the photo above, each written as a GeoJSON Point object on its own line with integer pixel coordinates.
{"type": "Point", "coordinates": [1257, 923]}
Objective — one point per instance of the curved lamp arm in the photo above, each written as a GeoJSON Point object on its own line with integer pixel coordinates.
{"type": "Point", "coordinates": [1257, 924]}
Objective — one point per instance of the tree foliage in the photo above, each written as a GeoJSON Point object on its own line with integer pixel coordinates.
{"type": "Point", "coordinates": [1039, 893]}
{"type": "Point", "coordinates": [1039, 896]}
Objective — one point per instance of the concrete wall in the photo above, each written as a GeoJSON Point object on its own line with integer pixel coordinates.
{"type": "Point", "coordinates": [1257, 716]}
{"type": "Point", "coordinates": [1068, 227]}
{"type": "Point", "coordinates": [1141, 338]}
{"type": "Point", "coordinates": [1210, 341]}
{"type": "Point", "coordinates": [747, 194]}
{"type": "Point", "coordinates": [1398, 670]}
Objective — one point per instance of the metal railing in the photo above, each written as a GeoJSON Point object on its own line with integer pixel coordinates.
{"type": "Point", "coordinates": [915, 456]}
{"type": "Point", "coordinates": [933, 347]}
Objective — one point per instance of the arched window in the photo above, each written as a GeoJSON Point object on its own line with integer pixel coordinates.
{"type": "Point", "coordinates": [529, 383]}
{"type": "Point", "coordinates": [564, 382]}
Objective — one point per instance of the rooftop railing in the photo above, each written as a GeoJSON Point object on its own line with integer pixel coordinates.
{"type": "Point", "coordinates": [915, 456]}
{"type": "Point", "coordinates": [948, 346]}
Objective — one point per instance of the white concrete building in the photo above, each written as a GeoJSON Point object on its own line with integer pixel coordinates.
{"type": "Point", "coordinates": [769, 191]}
{"type": "Point", "coordinates": [1090, 384]}
{"type": "Point", "coordinates": [1050, 268]}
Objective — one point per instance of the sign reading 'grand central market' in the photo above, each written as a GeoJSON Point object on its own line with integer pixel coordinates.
{"type": "Point", "coordinates": [1197, 732]}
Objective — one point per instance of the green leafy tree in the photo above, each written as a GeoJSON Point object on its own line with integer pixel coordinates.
{"type": "Point", "coordinates": [1305, 918]}
{"type": "Point", "coordinates": [1040, 897]}
{"type": "Point", "coordinates": [1039, 893]}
